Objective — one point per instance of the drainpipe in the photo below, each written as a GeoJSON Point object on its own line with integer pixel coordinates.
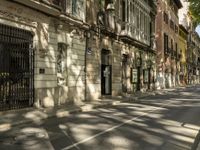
{"type": "Point", "coordinates": [85, 63]}
{"type": "Point", "coordinates": [87, 36]}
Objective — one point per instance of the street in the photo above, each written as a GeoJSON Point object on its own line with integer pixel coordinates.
{"type": "Point", "coordinates": [160, 122]}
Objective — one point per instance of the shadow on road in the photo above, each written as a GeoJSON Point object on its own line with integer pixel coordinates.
{"type": "Point", "coordinates": [196, 141]}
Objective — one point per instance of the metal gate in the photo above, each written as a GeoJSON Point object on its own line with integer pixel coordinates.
{"type": "Point", "coordinates": [16, 68]}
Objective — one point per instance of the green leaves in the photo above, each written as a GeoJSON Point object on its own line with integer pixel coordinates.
{"type": "Point", "coordinates": [194, 8]}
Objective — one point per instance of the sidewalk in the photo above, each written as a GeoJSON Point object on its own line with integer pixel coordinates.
{"type": "Point", "coordinates": [13, 118]}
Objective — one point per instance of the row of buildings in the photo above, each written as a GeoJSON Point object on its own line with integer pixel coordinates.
{"type": "Point", "coordinates": [54, 52]}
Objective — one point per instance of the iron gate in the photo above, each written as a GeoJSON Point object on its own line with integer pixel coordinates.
{"type": "Point", "coordinates": [16, 68]}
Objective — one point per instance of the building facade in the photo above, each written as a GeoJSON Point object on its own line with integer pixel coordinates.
{"type": "Point", "coordinates": [121, 53]}
{"type": "Point", "coordinates": [193, 57]}
{"type": "Point", "coordinates": [183, 36]}
{"type": "Point", "coordinates": [54, 52]}
{"type": "Point", "coordinates": [167, 38]}
{"type": "Point", "coordinates": [192, 54]}
{"type": "Point", "coordinates": [42, 52]}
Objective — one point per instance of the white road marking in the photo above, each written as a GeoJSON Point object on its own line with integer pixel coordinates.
{"type": "Point", "coordinates": [113, 128]}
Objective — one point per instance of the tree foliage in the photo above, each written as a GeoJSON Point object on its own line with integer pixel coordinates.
{"type": "Point", "coordinates": [194, 6]}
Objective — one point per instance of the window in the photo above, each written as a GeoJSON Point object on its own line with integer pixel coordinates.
{"type": "Point", "coordinates": [176, 29]}
{"type": "Point", "coordinates": [127, 11]}
{"type": "Point", "coordinates": [171, 24]}
{"type": "Point", "coordinates": [165, 43]}
{"type": "Point", "coordinates": [134, 75]}
{"type": "Point", "coordinates": [138, 18]}
{"type": "Point", "coordinates": [141, 21]}
{"type": "Point", "coordinates": [131, 13]}
{"type": "Point", "coordinates": [176, 54]}
{"type": "Point", "coordinates": [145, 75]}
{"type": "Point", "coordinates": [172, 45]}
{"type": "Point", "coordinates": [76, 8]}
{"type": "Point", "coordinates": [123, 11]}
{"type": "Point", "coordinates": [60, 56]}
{"type": "Point", "coordinates": [166, 18]}
{"type": "Point", "coordinates": [61, 67]}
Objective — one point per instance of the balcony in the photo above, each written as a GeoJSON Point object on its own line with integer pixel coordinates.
{"type": "Point", "coordinates": [107, 23]}
{"type": "Point", "coordinates": [131, 32]}
{"type": "Point", "coordinates": [167, 51]}
{"type": "Point", "coordinates": [173, 55]}
{"type": "Point", "coordinates": [53, 3]}
{"type": "Point", "coordinates": [50, 7]}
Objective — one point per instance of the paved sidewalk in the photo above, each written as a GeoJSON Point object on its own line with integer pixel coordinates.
{"type": "Point", "coordinates": [12, 118]}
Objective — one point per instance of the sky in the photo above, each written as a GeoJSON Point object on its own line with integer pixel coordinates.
{"type": "Point", "coordinates": [198, 30]}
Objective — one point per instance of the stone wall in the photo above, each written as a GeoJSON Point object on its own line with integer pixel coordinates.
{"type": "Point", "coordinates": [46, 36]}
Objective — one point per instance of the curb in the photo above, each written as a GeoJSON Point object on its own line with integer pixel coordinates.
{"type": "Point", "coordinates": [65, 113]}
{"type": "Point", "coordinates": [84, 108]}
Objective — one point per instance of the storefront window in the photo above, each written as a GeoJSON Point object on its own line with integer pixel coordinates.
{"type": "Point", "coordinates": [134, 75]}
{"type": "Point", "coordinates": [145, 75]}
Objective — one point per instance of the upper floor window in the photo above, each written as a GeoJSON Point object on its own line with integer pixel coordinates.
{"type": "Point", "coordinates": [171, 24]}
{"type": "Point", "coordinates": [165, 43]}
{"type": "Point", "coordinates": [172, 45]}
{"type": "Point", "coordinates": [123, 10]}
{"type": "Point", "coordinates": [76, 8]}
{"type": "Point", "coordinates": [176, 28]}
{"type": "Point", "coordinates": [166, 18]}
{"type": "Point", "coordinates": [135, 18]}
{"type": "Point", "coordinates": [55, 2]}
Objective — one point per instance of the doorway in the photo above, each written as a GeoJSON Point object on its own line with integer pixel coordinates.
{"type": "Point", "coordinates": [16, 68]}
{"type": "Point", "coordinates": [138, 79]}
{"type": "Point", "coordinates": [106, 73]}
{"type": "Point", "coordinates": [124, 73]}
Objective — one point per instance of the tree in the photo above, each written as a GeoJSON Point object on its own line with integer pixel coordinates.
{"type": "Point", "coordinates": [194, 6]}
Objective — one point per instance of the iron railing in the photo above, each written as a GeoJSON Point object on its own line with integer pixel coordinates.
{"type": "Point", "coordinates": [16, 68]}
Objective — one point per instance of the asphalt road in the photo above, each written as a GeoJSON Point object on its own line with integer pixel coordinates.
{"type": "Point", "coordinates": [164, 122]}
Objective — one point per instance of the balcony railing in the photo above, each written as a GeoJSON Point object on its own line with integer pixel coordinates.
{"type": "Point", "coordinates": [55, 3]}
{"type": "Point", "coordinates": [168, 51]}
{"type": "Point", "coordinates": [173, 54]}
{"type": "Point", "coordinates": [131, 31]}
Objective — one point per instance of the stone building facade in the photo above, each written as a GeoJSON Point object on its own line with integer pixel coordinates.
{"type": "Point", "coordinates": [183, 36]}
{"type": "Point", "coordinates": [167, 39]}
{"type": "Point", "coordinates": [121, 57]}
{"type": "Point", "coordinates": [192, 53]}
{"type": "Point", "coordinates": [70, 51]}
{"type": "Point", "coordinates": [54, 54]}
{"type": "Point", "coordinates": [193, 57]}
